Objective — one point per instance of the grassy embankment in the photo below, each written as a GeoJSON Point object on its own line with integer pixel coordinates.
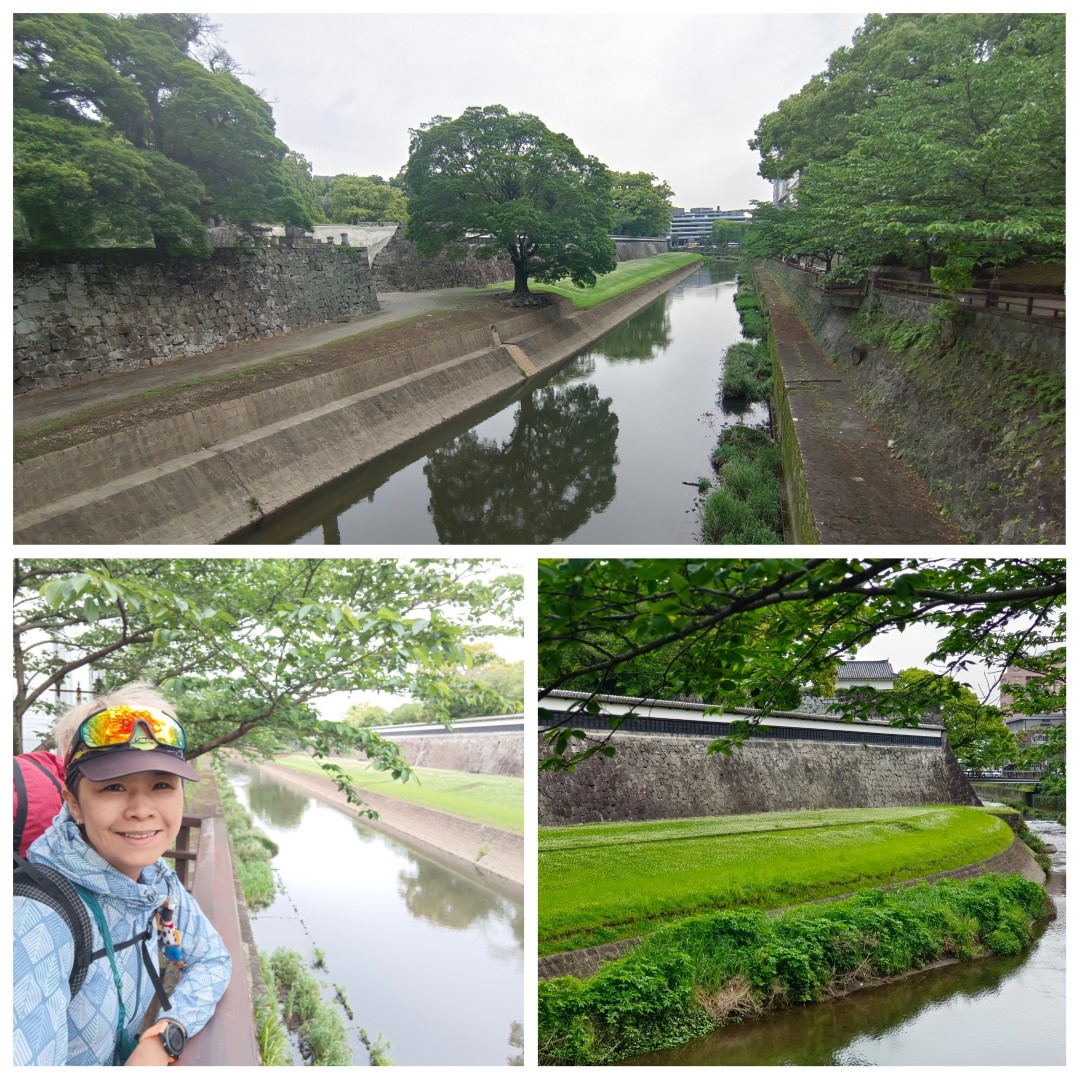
{"type": "Point", "coordinates": [490, 800]}
{"type": "Point", "coordinates": [252, 849]}
{"type": "Point", "coordinates": [742, 503]}
{"type": "Point", "coordinates": [609, 882]}
{"type": "Point", "coordinates": [626, 276]}
{"type": "Point", "coordinates": [714, 969]}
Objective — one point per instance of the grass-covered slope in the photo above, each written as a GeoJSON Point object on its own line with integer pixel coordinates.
{"type": "Point", "coordinates": [713, 969]}
{"type": "Point", "coordinates": [626, 276]}
{"type": "Point", "coordinates": [610, 882]}
{"type": "Point", "coordinates": [491, 800]}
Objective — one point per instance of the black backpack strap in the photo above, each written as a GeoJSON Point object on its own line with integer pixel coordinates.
{"type": "Point", "coordinates": [45, 772]}
{"type": "Point", "coordinates": [20, 805]}
{"type": "Point", "coordinates": [51, 888]}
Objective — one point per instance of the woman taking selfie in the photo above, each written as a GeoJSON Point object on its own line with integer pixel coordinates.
{"type": "Point", "coordinates": [124, 779]}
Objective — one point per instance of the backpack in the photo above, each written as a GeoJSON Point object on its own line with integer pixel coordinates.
{"type": "Point", "coordinates": [37, 777]}
{"type": "Point", "coordinates": [50, 887]}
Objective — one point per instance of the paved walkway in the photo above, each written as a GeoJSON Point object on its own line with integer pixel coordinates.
{"type": "Point", "coordinates": [39, 406]}
{"type": "Point", "coordinates": [851, 488]}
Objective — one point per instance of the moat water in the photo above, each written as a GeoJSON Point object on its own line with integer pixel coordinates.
{"type": "Point", "coordinates": [431, 961]}
{"type": "Point", "coordinates": [1001, 1010]}
{"type": "Point", "coordinates": [607, 450]}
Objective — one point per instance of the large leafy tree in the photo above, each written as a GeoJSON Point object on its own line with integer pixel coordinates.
{"type": "Point", "coordinates": [245, 646]}
{"type": "Point", "coordinates": [642, 204]}
{"type": "Point", "coordinates": [934, 140]}
{"type": "Point", "coordinates": [492, 173]}
{"type": "Point", "coordinates": [354, 199]}
{"type": "Point", "coordinates": [977, 732]}
{"type": "Point", "coordinates": [739, 632]}
{"type": "Point", "coordinates": [123, 137]}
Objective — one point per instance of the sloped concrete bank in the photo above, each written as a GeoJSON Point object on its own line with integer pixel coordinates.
{"type": "Point", "coordinates": [203, 476]}
{"type": "Point", "coordinates": [467, 846]}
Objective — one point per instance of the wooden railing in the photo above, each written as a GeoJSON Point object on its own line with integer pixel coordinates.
{"type": "Point", "coordinates": [229, 1037]}
{"type": "Point", "coordinates": [1019, 302]}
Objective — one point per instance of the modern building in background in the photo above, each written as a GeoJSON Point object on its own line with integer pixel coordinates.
{"type": "Point", "coordinates": [695, 225]}
{"type": "Point", "coordinates": [1032, 728]}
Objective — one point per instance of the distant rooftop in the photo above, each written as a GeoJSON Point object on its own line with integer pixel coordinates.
{"type": "Point", "coordinates": [854, 670]}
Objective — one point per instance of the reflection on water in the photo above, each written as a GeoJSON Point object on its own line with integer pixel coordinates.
{"type": "Point", "coordinates": [429, 959]}
{"type": "Point", "coordinates": [1002, 1010]}
{"type": "Point", "coordinates": [472, 479]}
{"type": "Point", "coordinates": [607, 450]}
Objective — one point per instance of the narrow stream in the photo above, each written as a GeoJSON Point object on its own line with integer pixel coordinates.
{"type": "Point", "coordinates": [430, 960]}
{"type": "Point", "coordinates": [607, 450]}
{"type": "Point", "coordinates": [1002, 1010]}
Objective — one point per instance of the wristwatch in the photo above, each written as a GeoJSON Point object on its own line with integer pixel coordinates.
{"type": "Point", "coordinates": [172, 1036]}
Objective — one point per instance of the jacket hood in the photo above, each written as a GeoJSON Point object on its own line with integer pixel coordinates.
{"type": "Point", "coordinates": [63, 848]}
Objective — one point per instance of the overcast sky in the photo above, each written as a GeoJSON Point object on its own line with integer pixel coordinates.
{"type": "Point", "coordinates": [676, 95]}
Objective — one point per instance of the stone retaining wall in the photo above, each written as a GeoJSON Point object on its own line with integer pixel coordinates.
{"type": "Point", "coordinates": [671, 776]}
{"type": "Point", "coordinates": [968, 417]}
{"type": "Point", "coordinates": [203, 476]}
{"type": "Point", "coordinates": [492, 753]}
{"type": "Point", "coordinates": [398, 268]}
{"type": "Point", "coordinates": [78, 320]}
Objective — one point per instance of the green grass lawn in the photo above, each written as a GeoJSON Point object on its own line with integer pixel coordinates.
{"type": "Point", "coordinates": [491, 800]}
{"type": "Point", "coordinates": [626, 276]}
{"type": "Point", "coordinates": [607, 882]}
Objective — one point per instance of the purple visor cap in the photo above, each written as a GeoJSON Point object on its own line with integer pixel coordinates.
{"type": "Point", "coordinates": [113, 763]}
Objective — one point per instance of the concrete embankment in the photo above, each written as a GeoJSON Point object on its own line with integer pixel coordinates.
{"type": "Point", "coordinates": [203, 476]}
{"type": "Point", "coordinates": [496, 855]}
{"type": "Point", "coordinates": [584, 963]}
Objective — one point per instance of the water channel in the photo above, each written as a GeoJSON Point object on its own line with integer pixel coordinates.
{"type": "Point", "coordinates": [429, 959]}
{"type": "Point", "coordinates": [1002, 1010]}
{"type": "Point", "coordinates": [607, 450]}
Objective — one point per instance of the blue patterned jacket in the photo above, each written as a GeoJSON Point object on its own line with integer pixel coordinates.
{"type": "Point", "coordinates": [51, 1027]}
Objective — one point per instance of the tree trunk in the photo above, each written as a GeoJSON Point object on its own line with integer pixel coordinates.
{"type": "Point", "coordinates": [521, 276]}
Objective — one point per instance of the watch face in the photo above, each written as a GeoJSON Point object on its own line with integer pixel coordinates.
{"type": "Point", "coordinates": [173, 1039]}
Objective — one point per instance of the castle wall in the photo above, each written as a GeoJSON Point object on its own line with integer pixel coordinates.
{"type": "Point", "coordinates": [79, 320]}
{"type": "Point", "coordinates": [669, 776]}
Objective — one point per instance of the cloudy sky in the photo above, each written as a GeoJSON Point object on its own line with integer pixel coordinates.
{"type": "Point", "coordinates": [677, 95]}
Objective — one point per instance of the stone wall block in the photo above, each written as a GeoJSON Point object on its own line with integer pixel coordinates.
{"type": "Point", "coordinates": [180, 307]}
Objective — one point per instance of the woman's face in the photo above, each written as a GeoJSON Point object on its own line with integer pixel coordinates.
{"type": "Point", "coordinates": [130, 821]}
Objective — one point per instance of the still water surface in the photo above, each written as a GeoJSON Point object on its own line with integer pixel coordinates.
{"type": "Point", "coordinates": [1007, 1010]}
{"type": "Point", "coordinates": [429, 959]}
{"type": "Point", "coordinates": [605, 451]}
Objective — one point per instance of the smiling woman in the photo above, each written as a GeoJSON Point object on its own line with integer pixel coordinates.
{"type": "Point", "coordinates": [97, 876]}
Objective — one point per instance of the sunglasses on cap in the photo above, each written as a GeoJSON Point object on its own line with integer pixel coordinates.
{"type": "Point", "coordinates": [134, 728]}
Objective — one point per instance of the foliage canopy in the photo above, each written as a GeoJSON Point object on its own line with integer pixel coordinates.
{"type": "Point", "coordinates": [507, 178]}
{"type": "Point", "coordinates": [743, 632]}
{"type": "Point", "coordinates": [642, 204]}
{"type": "Point", "coordinates": [122, 136]}
{"type": "Point", "coordinates": [933, 139]}
{"type": "Point", "coordinates": [243, 647]}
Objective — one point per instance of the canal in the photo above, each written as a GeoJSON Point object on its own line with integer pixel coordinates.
{"type": "Point", "coordinates": [607, 450]}
{"type": "Point", "coordinates": [1002, 1010]}
{"type": "Point", "coordinates": [429, 960]}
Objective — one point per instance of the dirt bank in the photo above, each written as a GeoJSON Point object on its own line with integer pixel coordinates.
{"type": "Point", "coordinates": [471, 848]}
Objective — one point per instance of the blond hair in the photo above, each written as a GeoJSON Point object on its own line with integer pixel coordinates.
{"type": "Point", "coordinates": [140, 694]}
